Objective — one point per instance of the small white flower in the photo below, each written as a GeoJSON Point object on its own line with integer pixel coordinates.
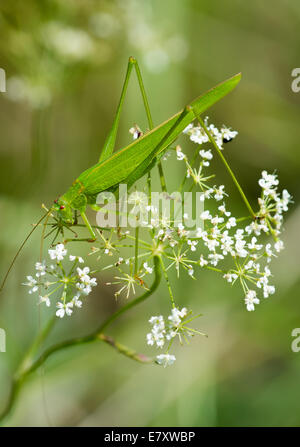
{"type": "Point", "coordinates": [217, 220]}
{"type": "Point", "coordinates": [228, 134]}
{"type": "Point", "coordinates": [182, 232]}
{"type": "Point", "coordinates": [215, 258]}
{"type": "Point", "coordinates": [231, 222]}
{"type": "Point", "coordinates": [40, 268]}
{"type": "Point", "coordinates": [205, 215]}
{"type": "Point", "coordinates": [202, 261]}
{"type": "Point", "coordinates": [77, 302]}
{"type": "Point", "coordinates": [79, 258]}
{"type": "Point", "coordinates": [45, 299]}
{"type": "Point", "coordinates": [227, 243]}
{"type": "Point", "coordinates": [165, 359]}
{"type": "Point", "coordinates": [223, 210]}
{"type": "Point", "coordinates": [31, 283]}
{"type": "Point", "coordinates": [240, 248]}
{"type": "Point", "coordinates": [230, 277]}
{"type": "Point", "coordinates": [212, 244]}
{"type": "Point", "coordinates": [192, 244]}
{"type": "Point", "coordinates": [58, 253]}
{"type": "Point", "coordinates": [267, 182]}
{"type": "Point", "coordinates": [219, 192]}
{"type": "Point", "coordinates": [286, 199]}
{"type": "Point", "coordinates": [176, 316]}
{"type": "Point", "coordinates": [253, 245]}
{"type": "Point", "coordinates": [268, 290]}
{"type": "Point", "coordinates": [269, 252]}
{"type": "Point", "coordinates": [64, 309]}
{"type": "Point", "coordinates": [86, 287]}
{"type": "Point", "coordinates": [206, 194]}
{"type": "Point", "coordinates": [179, 153]}
{"type": "Point", "coordinates": [83, 274]}
{"type": "Point", "coordinates": [147, 268]}
{"type": "Point", "coordinates": [157, 334]}
{"type": "Point", "coordinates": [279, 245]}
{"type": "Point", "coordinates": [201, 234]}
{"type": "Point", "coordinates": [257, 227]}
{"type": "Point", "coordinates": [250, 300]}
{"type": "Point", "coordinates": [190, 270]}
{"type": "Point", "coordinates": [206, 155]}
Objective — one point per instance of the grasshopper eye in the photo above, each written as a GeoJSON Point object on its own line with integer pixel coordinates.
{"type": "Point", "coordinates": [62, 207]}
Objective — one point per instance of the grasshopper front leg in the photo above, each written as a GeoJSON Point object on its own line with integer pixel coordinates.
{"type": "Point", "coordinates": [88, 225]}
{"type": "Point", "coordinates": [109, 144]}
{"type": "Point", "coordinates": [80, 204]}
{"type": "Point", "coordinates": [110, 141]}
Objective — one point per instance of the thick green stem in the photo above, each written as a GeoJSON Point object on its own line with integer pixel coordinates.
{"type": "Point", "coordinates": [28, 358]}
{"type": "Point", "coordinates": [141, 358]}
{"type": "Point", "coordinates": [29, 365]}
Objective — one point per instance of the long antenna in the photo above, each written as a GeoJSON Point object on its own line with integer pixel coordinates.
{"type": "Point", "coordinates": [20, 249]}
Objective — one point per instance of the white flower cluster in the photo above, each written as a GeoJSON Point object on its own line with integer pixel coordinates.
{"type": "Point", "coordinates": [222, 236]}
{"type": "Point", "coordinates": [53, 279]}
{"type": "Point", "coordinates": [272, 206]}
{"type": "Point", "coordinates": [165, 359]}
{"type": "Point", "coordinates": [165, 331]}
{"type": "Point", "coordinates": [199, 136]}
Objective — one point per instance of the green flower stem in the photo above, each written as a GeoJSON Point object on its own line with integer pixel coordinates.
{"type": "Point", "coordinates": [25, 367]}
{"type": "Point", "coordinates": [136, 252]}
{"type": "Point", "coordinates": [212, 140]}
{"type": "Point", "coordinates": [168, 283]}
{"type": "Point", "coordinates": [162, 177]}
{"type": "Point", "coordinates": [27, 360]}
{"type": "Point", "coordinates": [141, 358]}
{"type": "Point", "coordinates": [29, 365]}
{"type": "Point", "coordinates": [191, 165]}
{"type": "Point", "coordinates": [136, 301]}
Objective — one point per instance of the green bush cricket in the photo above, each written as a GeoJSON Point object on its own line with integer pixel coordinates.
{"type": "Point", "coordinates": [130, 163]}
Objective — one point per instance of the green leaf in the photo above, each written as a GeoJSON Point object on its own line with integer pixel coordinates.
{"type": "Point", "coordinates": [119, 167]}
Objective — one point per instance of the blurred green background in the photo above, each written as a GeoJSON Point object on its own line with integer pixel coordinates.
{"type": "Point", "coordinates": [65, 61]}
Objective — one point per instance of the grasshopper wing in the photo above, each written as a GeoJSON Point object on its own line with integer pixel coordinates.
{"type": "Point", "coordinates": [117, 168]}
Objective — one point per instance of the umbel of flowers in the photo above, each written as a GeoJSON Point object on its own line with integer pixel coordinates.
{"type": "Point", "coordinates": [62, 278]}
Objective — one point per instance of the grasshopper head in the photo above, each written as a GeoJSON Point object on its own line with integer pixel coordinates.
{"type": "Point", "coordinates": [63, 210]}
